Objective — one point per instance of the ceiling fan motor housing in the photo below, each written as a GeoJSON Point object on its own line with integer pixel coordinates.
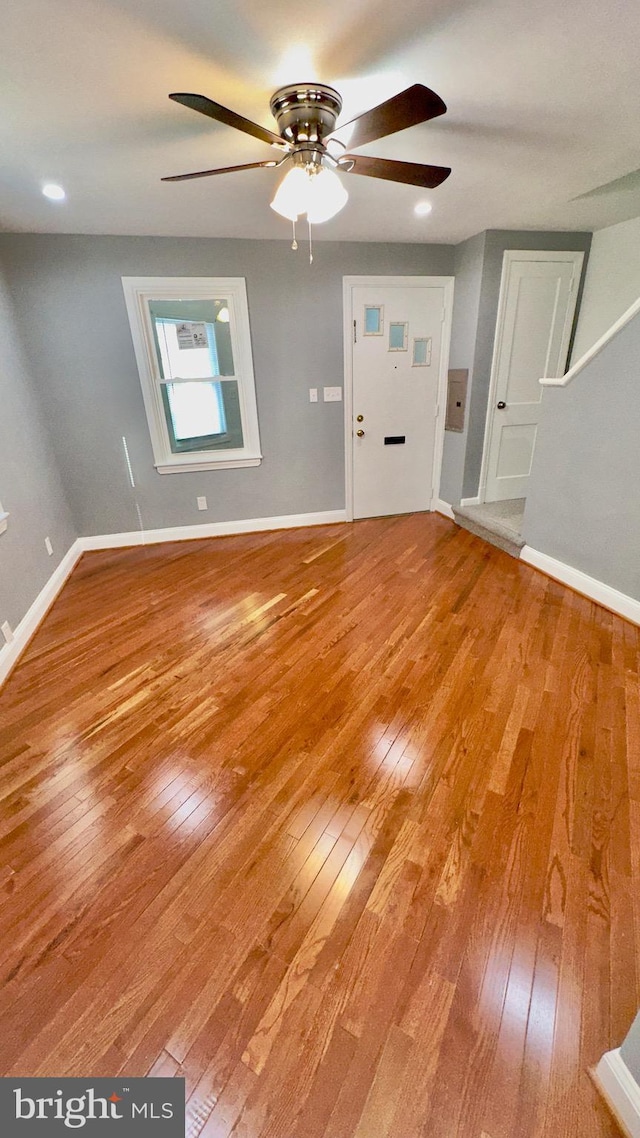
{"type": "Point", "coordinates": [306, 113]}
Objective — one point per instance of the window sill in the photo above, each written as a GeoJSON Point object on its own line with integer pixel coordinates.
{"type": "Point", "coordinates": [181, 467]}
{"type": "Point", "coordinates": [4, 518]}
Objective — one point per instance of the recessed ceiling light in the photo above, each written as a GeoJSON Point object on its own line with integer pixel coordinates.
{"type": "Point", "coordinates": [422, 209]}
{"type": "Point", "coordinates": [54, 192]}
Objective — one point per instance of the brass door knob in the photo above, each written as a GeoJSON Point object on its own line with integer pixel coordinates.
{"type": "Point", "coordinates": [359, 418]}
{"type": "Point", "coordinates": [360, 433]}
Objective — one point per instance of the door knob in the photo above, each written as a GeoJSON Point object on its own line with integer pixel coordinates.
{"type": "Point", "coordinates": [501, 405]}
{"type": "Point", "coordinates": [359, 418]}
{"type": "Point", "coordinates": [360, 433]}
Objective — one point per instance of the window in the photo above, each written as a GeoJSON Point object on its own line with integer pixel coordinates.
{"type": "Point", "coordinates": [398, 332]}
{"type": "Point", "coordinates": [373, 319]}
{"type": "Point", "coordinates": [193, 350]}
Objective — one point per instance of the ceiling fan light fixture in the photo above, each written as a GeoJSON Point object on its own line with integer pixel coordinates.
{"type": "Point", "coordinates": [291, 196]}
{"type": "Point", "coordinates": [319, 193]}
{"type": "Point", "coordinates": [326, 196]}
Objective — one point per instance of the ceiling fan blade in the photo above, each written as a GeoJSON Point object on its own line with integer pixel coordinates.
{"type": "Point", "coordinates": [223, 170]}
{"type": "Point", "coordinates": [413, 173]}
{"type": "Point", "coordinates": [221, 114]}
{"type": "Point", "coordinates": [415, 105]}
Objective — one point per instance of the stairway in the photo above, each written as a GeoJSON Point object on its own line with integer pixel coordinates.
{"type": "Point", "coordinates": [497, 522]}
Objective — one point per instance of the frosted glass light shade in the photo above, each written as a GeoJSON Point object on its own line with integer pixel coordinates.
{"type": "Point", "coordinates": [291, 196]}
{"type": "Point", "coordinates": [326, 196]}
{"type": "Point", "coordinates": [320, 195]}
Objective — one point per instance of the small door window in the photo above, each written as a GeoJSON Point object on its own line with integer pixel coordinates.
{"type": "Point", "coordinates": [421, 352]}
{"type": "Point", "coordinates": [373, 319]}
{"type": "Point", "coordinates": [398, 336]}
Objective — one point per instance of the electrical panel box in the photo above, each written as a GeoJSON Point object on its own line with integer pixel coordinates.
{"type": "Point", "coordinates": [456, 399]}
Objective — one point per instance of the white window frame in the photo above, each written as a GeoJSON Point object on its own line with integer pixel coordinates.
{"type": "Point", "coordinates": [138, 291]}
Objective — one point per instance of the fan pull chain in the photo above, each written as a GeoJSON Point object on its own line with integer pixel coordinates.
{"type": "Point", "coordinates": [294, 243]}
{"type": "Point", "coordinates": [310, 244]}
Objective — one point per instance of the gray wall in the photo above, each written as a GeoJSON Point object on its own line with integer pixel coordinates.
{"type": "Point", "coordinates": [81, 356]}
{"type": "Point", "coordinates": [631, 1049]}
{"type": "Point", "coordinates": [612, 284]}
{"type": "Point", "coordinates": [583, 504]}
{"type": "Point", "coordinates": [497, 241]}
{"type": "Point", "coordinates": [30, 485]}
{"type": "Point", "coordinates": [468, 264]}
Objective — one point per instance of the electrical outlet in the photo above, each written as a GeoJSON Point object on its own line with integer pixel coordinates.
{"type": "Point", "coordinates": [48, 546]}
{"type": "Point", "coordinates": [313, 394]}
{"type": "Point", "coordinates": [7, 631]}
{"type": "Point", "coordinates": [202, 502]}
{"type": "Point", "coordinates": [332, 394]}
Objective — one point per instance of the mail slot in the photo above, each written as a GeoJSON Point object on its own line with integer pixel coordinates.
{"type": "Point", "coordinates": [394, 440]}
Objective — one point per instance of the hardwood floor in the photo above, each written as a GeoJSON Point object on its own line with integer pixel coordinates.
{"type": "Point", "coordinates": [340, 824]}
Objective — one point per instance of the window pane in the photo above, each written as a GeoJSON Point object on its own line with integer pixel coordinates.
{"type": "Point", "coordinates": [373, 319]}
{"type": "Point", "coordinates": [196, 409]}
{"type": "Point", "coordinates": [178, 361]}
{"type": "Point", "coordinates": [422, 352]}
{"type": "Point", "coordinates": [203, 416]}
{"type": "Point", "coordinates": [192, 338]}
{"type": "Point", "coordinates": [398, 336]}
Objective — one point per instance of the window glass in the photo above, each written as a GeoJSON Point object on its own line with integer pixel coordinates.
{"type": "Point", "coordinates": [422, 352]}
{"type": "Point", "coordinates": [193, 338]}
{"type": "Point", "coordinates": [178, 361]}
{"type": "Point", "coordinates": [373, 320]}
{"type": "Point", "coordinates": [398, 336]}
{"type": "Point", "coordinates": [203, 416]}
{"type": "Point", "coordinates": [193, 342]}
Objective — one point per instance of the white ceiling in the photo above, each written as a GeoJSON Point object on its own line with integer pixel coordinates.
{"type": "Point", "coordinates": [543, 98]}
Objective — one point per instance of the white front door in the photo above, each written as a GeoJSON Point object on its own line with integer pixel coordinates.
{"type": "Point", "coordinates": [396, 334]}
{"type": "Point", "coordinates": [535, 315]}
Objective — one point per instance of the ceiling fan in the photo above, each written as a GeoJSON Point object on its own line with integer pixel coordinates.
{"type": "Point", "coordinates": [306, 114]}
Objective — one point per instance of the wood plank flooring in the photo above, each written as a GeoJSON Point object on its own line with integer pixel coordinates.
{"type": "Point", "coordinates": [342, 825]}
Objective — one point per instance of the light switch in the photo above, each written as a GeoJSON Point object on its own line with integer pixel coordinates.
{"type": "Point", "coordinates": [313, 394]}
{"type": "Point", "coordinates": [332, 394]}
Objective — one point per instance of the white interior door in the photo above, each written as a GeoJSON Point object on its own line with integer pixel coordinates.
{"type": "Point", "coordinates": [535, 316]}
{"type": "Point", "coordinates": [397, 334]}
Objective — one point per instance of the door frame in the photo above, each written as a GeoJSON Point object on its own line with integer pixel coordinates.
{"type": "Point", "coordinates": [508, 256]}
{"type": "Point", "coordinates": [349, 283]}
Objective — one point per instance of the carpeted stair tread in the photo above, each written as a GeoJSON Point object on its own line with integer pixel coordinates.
{"type": "Point", "coordinates": [499, 527]}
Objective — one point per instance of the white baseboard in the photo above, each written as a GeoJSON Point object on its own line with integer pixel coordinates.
{"type": "Point", "coordinates": [22, 634]}
{"type": "Point", "coordinates": [210, 529]}
{"type": "Point", "coordinates": [10, 653]}
{"type": "Point", "coordinates": [590, 587]}
{"type": "Point", "coordinates": [442, 507]}
{"type": "Point", "coordinates": [470, 501]}
{"type": "Point", "coordinates": [618, 1086]}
